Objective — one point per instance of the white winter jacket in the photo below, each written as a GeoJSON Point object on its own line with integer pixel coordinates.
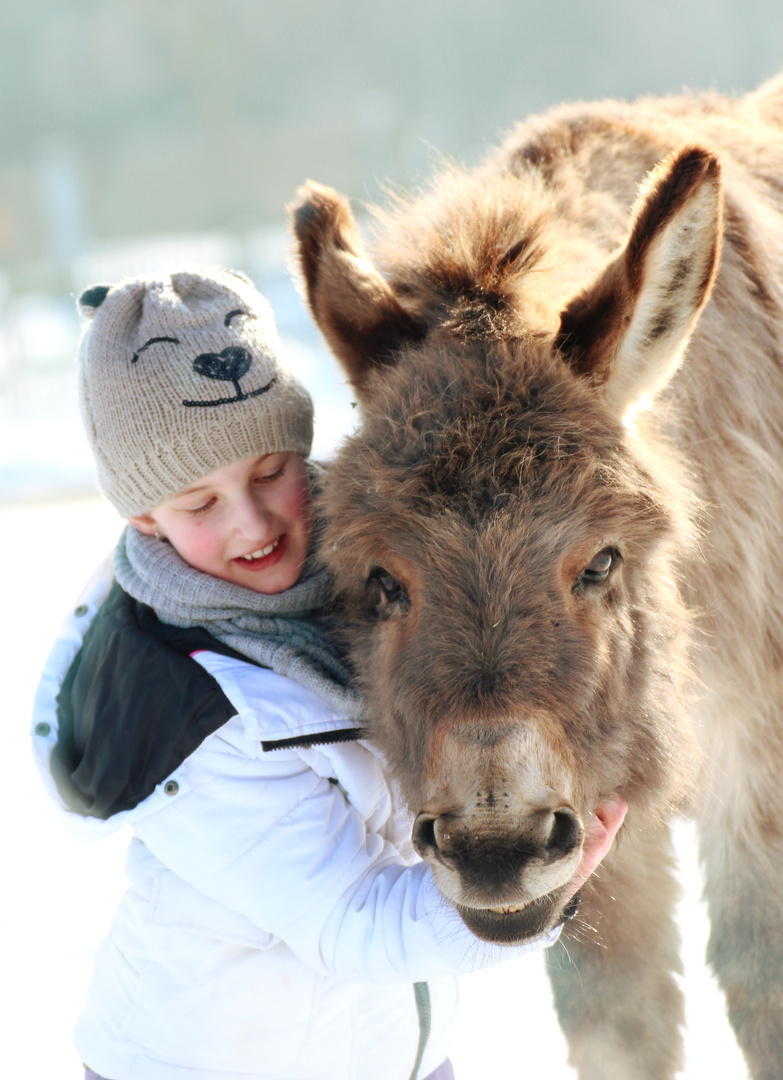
{"type": "Point", "coordinates": [277, 918]}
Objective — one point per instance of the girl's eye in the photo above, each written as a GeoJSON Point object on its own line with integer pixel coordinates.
{"type": "Point", "coordinates": [268, 477]}
{"type": "Point", "coordinates": [195, 511]}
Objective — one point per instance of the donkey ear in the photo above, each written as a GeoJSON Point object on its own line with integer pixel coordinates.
{"type": "Point", "coordinates": [354, 306]}
{"type": "Point", "coordinates": [628, 331]}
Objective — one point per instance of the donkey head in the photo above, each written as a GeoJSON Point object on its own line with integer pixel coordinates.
{"type": "Point", "coordinates": [503, 539]}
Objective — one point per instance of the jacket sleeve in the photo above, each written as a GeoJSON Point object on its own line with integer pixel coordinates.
{"type": "Point", "coordinates": [267, 837]}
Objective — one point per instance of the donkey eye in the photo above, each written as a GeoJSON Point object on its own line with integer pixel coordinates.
{"type": "Point", "coordinates": [390, 585]}
{"type": "Point", "coordinates": [387, 588]}
{"type": "Point", "coordinates": [599, 567]}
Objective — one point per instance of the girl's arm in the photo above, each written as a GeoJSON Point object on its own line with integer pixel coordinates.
{"type": "Point", "coordinates": [269, 838]}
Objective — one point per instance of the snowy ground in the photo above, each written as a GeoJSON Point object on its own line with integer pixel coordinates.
{"type": "Point", "coordinates": [58, 897]}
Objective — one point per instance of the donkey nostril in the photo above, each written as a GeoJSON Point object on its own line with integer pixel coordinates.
{"type": "Point", "coordinates": [424, 839]}
{"type": "Point", "coordinates": [566, 831]}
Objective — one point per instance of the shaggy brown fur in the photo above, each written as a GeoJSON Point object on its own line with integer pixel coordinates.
{"type": "Point", "coordinates": [558, 543]}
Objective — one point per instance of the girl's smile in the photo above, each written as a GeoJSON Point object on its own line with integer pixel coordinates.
{"type": "Point", "coordinates": [265, 557]}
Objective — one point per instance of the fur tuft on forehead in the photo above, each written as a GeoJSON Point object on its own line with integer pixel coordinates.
{"type": "Point", "coordinates": [458, 256]}
{"type": "Point", "coordinates": [473, 429]}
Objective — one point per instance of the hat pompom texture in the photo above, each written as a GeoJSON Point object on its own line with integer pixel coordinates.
{"type": "Point", "coordinates": [179, 374]}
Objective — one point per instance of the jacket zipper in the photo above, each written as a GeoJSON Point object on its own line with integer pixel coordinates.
{"type": "Point", "coordinates": [342, 735]}
{"type": "Point", "coordinates": [424, 1008]}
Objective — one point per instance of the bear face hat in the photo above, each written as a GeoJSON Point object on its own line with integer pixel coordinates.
{"type": "Point", "coordinates": [180, 374]}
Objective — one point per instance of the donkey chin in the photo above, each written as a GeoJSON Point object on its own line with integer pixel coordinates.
{"type": "Point", "coordinates": [505, 889]}
{"type": "Point", "coordinates": [511, 924]}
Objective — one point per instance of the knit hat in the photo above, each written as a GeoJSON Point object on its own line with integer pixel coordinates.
{"type": "Point", "coordinates": [179, 375]}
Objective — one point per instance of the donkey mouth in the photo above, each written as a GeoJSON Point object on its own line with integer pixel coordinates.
{"type": "Point", "coordinates": [511, 924]}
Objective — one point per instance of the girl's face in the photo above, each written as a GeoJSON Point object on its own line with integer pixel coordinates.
{"type": "Point", "coordinates": [248, 522]}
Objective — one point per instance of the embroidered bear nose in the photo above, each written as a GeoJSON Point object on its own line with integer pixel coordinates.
{"type": "Point", "coordinates": [227, 366]}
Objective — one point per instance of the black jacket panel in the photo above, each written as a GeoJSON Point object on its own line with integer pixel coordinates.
{"type": "Point", "coordinates": [132, 707]}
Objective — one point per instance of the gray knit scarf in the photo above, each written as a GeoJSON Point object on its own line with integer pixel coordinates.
{"type": "Point", "coordinates": [284, 632]}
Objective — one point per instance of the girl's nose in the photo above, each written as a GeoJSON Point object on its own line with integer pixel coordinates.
{"type": "Point", "coordinates": [253, 519]}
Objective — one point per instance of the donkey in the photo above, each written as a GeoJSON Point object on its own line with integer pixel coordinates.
{"type": "Point", "coordinates": [558, 535]}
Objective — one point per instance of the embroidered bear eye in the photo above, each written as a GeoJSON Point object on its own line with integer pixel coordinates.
{"type": "Point", "coordinates": [152, 341]}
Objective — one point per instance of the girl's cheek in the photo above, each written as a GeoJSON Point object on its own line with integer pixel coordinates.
{"type": "Point", "coordinates": [301, 506]}
{"type": "Point", "coordinates": [201, 539]}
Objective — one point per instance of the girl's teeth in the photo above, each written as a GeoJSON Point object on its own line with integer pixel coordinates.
{"type": "Point", "coordinates": [262, 551]}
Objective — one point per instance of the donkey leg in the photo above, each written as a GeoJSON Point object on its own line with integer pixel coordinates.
{"type": "Point", "coordinates": [613, 974]}
{"type": "Point", "coordinates": [744, 892]}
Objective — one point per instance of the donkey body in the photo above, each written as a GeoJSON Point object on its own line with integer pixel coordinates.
{"type": "Point", "coordinates": [558, 536]}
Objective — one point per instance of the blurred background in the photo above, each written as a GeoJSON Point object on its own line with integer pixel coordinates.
{"type": "Point", "coordinates": [136, 133]}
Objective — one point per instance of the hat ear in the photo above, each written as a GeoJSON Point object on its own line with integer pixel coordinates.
{"type": "Point", "coordinates": [91, 299]}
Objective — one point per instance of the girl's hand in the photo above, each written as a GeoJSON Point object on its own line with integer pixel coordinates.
{"type": "Point", "coordinates": [603, 828]}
